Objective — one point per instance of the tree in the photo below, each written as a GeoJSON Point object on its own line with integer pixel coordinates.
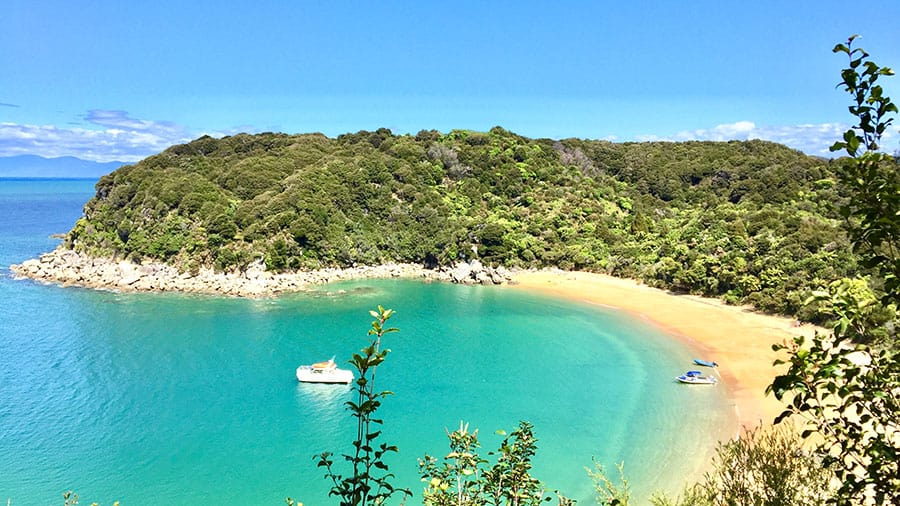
{"type": "Point", "coordinates": [847, 393]}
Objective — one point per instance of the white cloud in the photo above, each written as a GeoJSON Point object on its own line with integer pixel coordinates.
{"type": "Point", "coordinates": [119, 120]}
{"type": "Point", "coordinates": [811, 139]}
{"type": "Point", "coordinates": [119, 138]}
{"type": "Point", "coordinates": [114, 135]}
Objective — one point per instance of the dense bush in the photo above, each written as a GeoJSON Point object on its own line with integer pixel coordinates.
{"type": "Point", "coordinates": [752, 222]}
{"type": "Point", "coordinates": [764, 466]}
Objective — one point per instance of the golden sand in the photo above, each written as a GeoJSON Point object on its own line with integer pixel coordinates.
{"type": "Point", "coordinates": [737, 338]}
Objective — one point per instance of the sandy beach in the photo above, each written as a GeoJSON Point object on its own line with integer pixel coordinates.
{"type": "Point", "coordinates": [738, 339]}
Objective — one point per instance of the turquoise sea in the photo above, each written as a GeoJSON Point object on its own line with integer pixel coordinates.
{"type": "Point", "coordinates": [154, 399]}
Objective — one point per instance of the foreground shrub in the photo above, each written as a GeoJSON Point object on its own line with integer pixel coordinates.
{"type": "Point", "coordinates": [464, 478]}
{"type": "Point", "coordinates": [766, 466]}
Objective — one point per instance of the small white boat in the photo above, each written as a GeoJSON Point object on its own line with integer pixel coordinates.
{"type": "Point", "coordinates": [324, 372]}
{"type": "Point", "coordinates": [695, 378]}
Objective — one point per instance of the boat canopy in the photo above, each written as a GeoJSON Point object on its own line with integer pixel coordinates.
{"type": "Point", "coordinates": [328, 364]}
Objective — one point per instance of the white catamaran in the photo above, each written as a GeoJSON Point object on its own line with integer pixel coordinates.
{"type": "Point", "coordinates": [324, 372]}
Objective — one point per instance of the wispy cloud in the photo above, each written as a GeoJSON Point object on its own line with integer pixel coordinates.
{"type": "Point", "coordinates": [811, 139]}
{"type": "Point", "coordinates": [120, 119]}
{"type": "Point", "coordinates": [115, 135]}
{"type": "Point", "coordinates": [119, 137]}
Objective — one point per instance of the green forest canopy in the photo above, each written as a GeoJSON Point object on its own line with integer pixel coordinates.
{"type": "Point", "coordinates": [750, 221]}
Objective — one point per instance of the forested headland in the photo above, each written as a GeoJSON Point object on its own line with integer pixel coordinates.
{"type": "Point", "coordinates": [752, 222]}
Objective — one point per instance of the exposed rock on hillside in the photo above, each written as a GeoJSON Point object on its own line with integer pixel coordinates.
{"type": "Point", "coordinates": [70, 268]}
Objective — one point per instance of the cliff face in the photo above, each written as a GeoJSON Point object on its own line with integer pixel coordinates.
{"type": "Point", "coordinates": [735, 219]}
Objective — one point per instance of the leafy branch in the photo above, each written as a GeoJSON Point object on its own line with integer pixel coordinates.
{"type": "Point", "coordinates": [370, 480]}
{"type": "Point", "coordinates": [844, 390]}
{"type": "Point", "coordinates": [464, 478]}
{"type": "Point", "coordinates": [870, 175]}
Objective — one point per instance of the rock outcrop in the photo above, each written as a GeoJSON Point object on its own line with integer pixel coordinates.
{"type": "Point", "coordinates": [70, 268]}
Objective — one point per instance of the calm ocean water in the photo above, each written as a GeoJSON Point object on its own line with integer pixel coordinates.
{"type": "Point", "coordinates": [154, 399]}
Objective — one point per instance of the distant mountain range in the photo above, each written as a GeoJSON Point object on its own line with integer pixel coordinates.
{"type": "Point", "coordinates": [65, 166]}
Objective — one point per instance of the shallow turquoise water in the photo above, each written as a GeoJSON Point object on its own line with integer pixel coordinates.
{"type": "Point", "coordinates": [174, 399]}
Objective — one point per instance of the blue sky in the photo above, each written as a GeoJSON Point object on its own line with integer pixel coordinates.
{"type": "Point", "coordinates": [120, 80]}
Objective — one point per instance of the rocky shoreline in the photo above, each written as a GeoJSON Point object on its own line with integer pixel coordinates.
{"type": "Point", "coordinates": [70, 268]}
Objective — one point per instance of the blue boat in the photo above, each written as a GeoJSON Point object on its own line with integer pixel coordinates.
{"type": "Point", "coordinates": [706, 363]}
{"type": "Point", "coordinates": [695, 378]}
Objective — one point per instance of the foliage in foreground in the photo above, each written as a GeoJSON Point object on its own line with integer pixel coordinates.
{"type": "Point", "coordinates": [71, 499]}
{"type": "Point", "coordinates": [845, 391]}
{"type": "Point", "coordinates": [766, 466]}
{"type": "Point", "coordinates": [608, 492]}
{"type": "Point", "coordinates": [464, 478]}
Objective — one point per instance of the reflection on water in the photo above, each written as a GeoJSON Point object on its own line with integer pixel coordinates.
{"type": "Point", "coordinates": [326, 403]}
{"type": "Point", "coordinates": [322, 395]}
{"type": "Point", "coordinates": [317, 293]}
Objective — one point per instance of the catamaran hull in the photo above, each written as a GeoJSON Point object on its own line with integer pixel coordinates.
{"type": "Point", "coordinates": [697, 380]}
{"type": "Point", "coordinates": [306, 374]}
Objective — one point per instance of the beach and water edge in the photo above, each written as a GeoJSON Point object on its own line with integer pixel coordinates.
{"type": "Point", "coordinates": [737, 338]}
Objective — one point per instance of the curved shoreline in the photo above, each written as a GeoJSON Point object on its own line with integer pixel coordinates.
{"type": "Point", "coordinates": [737, 338]}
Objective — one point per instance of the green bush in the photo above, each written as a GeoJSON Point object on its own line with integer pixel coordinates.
{"type": "Point", "coordinates": [662, 212]}
{"type": "Point", "coordinates": [766, 466]}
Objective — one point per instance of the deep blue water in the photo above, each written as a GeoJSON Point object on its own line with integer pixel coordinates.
{"type": "Point", "coordinates": [174, 399]}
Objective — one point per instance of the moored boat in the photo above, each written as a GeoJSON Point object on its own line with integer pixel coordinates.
{"type": "Point", "coordinates": [696, 378]}
{"type": "Point", "coordinates": [705, 363]}
{"type": "Point", "coordinates": [324, 372]}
